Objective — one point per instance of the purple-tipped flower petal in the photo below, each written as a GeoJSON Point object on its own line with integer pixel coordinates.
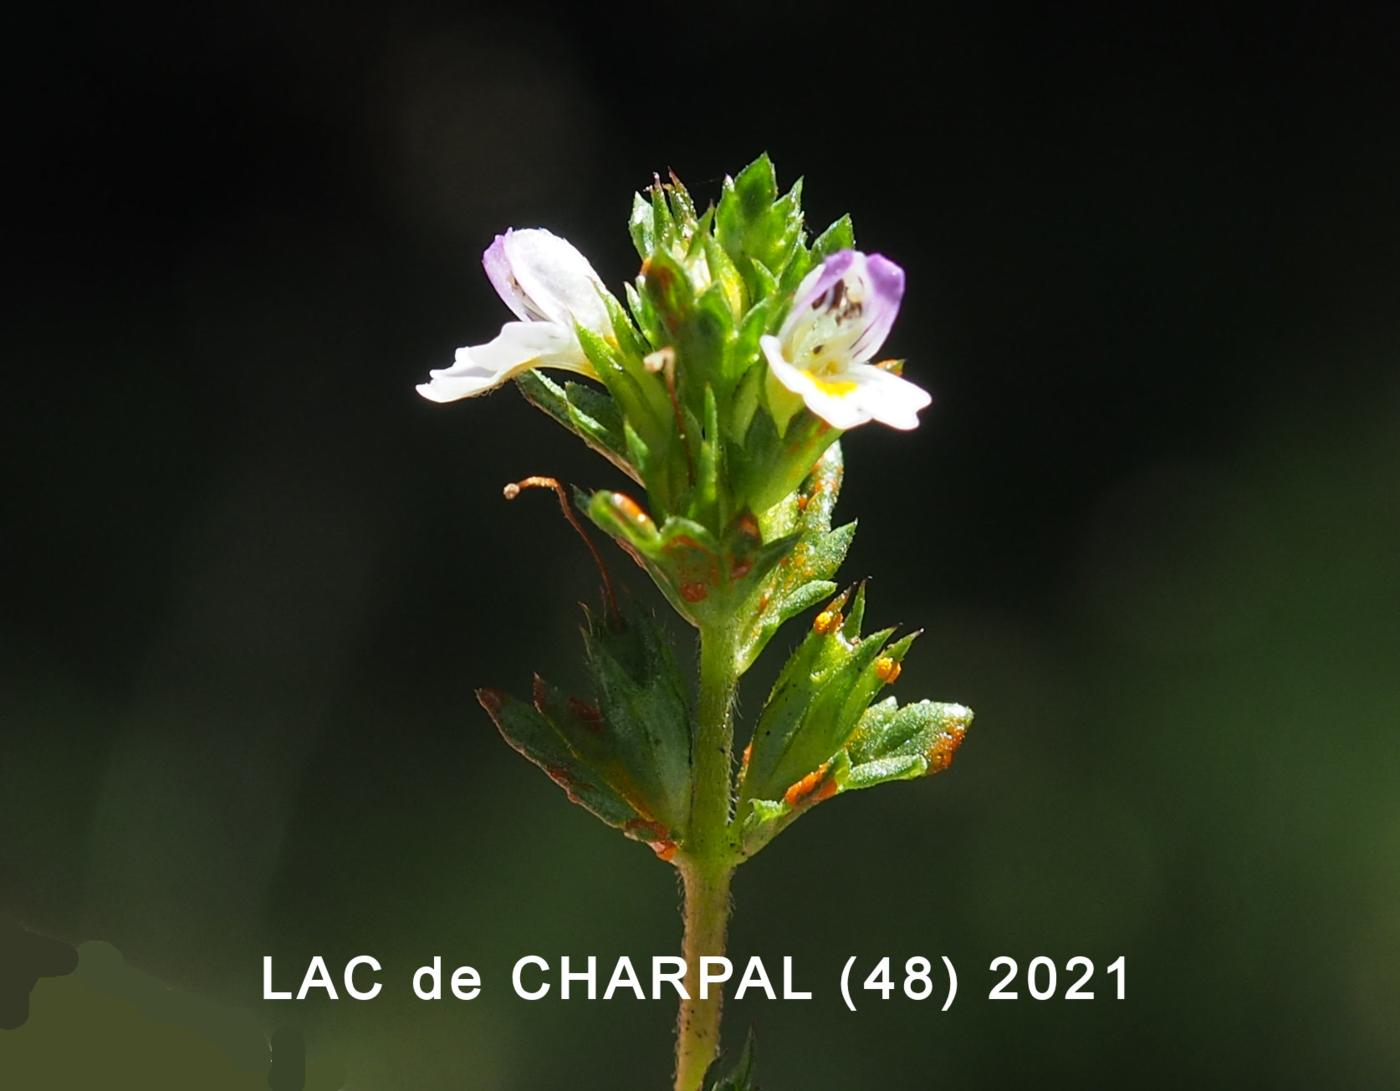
{"type": "Point", "coordinates": [840, 317]}
{"type": "Point", "coordinates": [550, 287]}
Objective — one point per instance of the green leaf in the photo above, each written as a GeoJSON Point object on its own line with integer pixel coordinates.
{"type": "Point", "coordinates": [637, 394]}
{"type": "Point", "coordinates": [821, 696]}
{"type": "Point", "coordinates": [742, 219]}
{"type": "Point", "coordinates": [624, 519]}
{"type": "Point", "coordinates": [682, 557]}
{"type": "Point", "coordinates": [640, 226]}
{"type": "Point", "coordinates": [532, 734]}
{"type": "Point", "coordinates": [724, 273]}
{"type": "Point", "coordinates": [771, 465]}
{"type": "Point", "coordinates": [710, 476]}
{"type": "Point", "coordinates": [815, 715]}
{"type": "Point", "coordinates": [644, 315]}
{"type": "Point", "coordinates": [624, 752]}
{"type": "Point", "coordinates": [629, 342]}
{"type": "Point", "coordinates": [682, 207]}
{"type": "Point", "coordinates": [667, 288]}
{"type": "Point", "coordinates": [663, 224]}
{"type": "Point", "coordinates": [902, 743]}
{"type": "Point", "coordinates": [744, 1075]}
{"type": "Point", "coordinates": [590, 414]}
{"type": "Point", "coordinates": [803, 721]}
{"type": "Point", "coordinates": [766, 284]}
{"type": "Point", "coordinates": [890, 743]}
{"type": "Point", "coordinates": [701, 340]}
{"type": "Point", "coordinates": [644, 707]}
{"type": "Point", "coordinates": [757, 228]}
{"type": "Point", "coordinates": [839, 236]}
{"type": "Point", "coordinates": [803, 577]}
{"type": "Point", "coordinates": [745, 401]}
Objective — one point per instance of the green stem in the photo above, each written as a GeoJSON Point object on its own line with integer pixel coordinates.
{"type": "Point", "coordinates": [707, 861]}
{"type": "Point", "coordinates": [706, 919]}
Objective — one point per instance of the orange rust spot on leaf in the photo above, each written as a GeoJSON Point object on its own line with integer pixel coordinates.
{"type": "Point", "coordinates": [590, 714]}
{"type": "Point", "coordinates": [802, 503]}
{"type": "Point", "coordinates": [763, 601]}
{"type": "Point", "coordinates": [645, 829]}
{"type": "Point", "coordinates": [887, 669]}
{"type": "Point", "coordinates": [694, 592]}
{"type": "Point", "coordinates": [744, 762]}
{"type": "Point", "coordinates": [740, 569]}
{"type": "Point", "coordinates": [653, 834]}
{"type": "Point", "coordinates": [630, 509]}
{"type": "Point", "coordinates": [940, 754]}
{"type": "Point", "coordinates": [684, 541]}
{"type": "Point", "coordinates": [806, 786]}
{"type": "Point", "coordinates": [748, 525]}
{"type": "Point", "coordinates": [827, 621]}
{"type": "Point", "coordinates": [661, 274]}
{"type": "Point", "coordinates": [826, 791]}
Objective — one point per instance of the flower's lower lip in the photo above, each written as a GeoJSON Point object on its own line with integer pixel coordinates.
{"type": "Point", "coordinates": [837, 388]}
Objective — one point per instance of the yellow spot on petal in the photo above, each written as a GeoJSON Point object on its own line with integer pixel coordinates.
{"type": "Point", "coordinates": [835, 388]}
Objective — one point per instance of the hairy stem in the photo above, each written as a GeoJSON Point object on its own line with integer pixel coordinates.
{"type": "Point", "coordinates": [707, 863]}
{"type": "Point", "coordinates": [706, 918]}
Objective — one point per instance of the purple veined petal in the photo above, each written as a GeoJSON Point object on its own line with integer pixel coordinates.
{"type": "Point", "coordinates": [497, 266]}
{"type": "Point", "coordinates": [846, 307]}
{"type": "Point", "coordinates": [543, 278]}
{"type": "Point", "coordinates": [884, 292]}
{"type": "Point", "coordinates": [819, 281]}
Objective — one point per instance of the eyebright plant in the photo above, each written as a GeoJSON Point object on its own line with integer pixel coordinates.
{"type": "Point", "coordinates": [721, 385]}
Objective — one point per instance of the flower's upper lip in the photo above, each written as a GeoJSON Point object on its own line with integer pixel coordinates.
{"type": "Point", "coordinates": [868, 315]}
{"type": "Point", "coordinates": [820, 279]}
{"type": "Point", "coordinates": [543, 278]}
{"type": "Point", "coordinates": [550, 287]}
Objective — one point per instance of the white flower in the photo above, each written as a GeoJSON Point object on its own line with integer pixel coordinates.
{"type": "Point", "coordinates": [840, 317]}
{"type": "Point", "coordinates": [551, 287]}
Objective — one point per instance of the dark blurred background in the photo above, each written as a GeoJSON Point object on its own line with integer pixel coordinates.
{"type": "Point", "coordinates": [1150, 525]}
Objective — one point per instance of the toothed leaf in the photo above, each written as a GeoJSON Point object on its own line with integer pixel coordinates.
{"type": "Point", "coordinates": [803, 578]}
